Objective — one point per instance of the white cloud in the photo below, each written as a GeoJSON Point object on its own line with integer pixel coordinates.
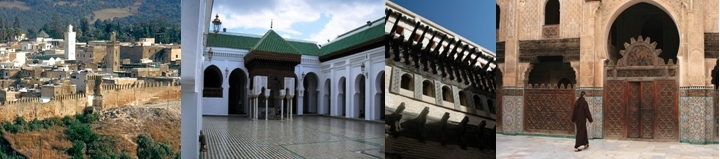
{"type": "Point", "coordinates": [344, 15]}
{"type": "Point", "coordinates": [285, 36]}
{"type": "Point", "coordinates": [347, 17]}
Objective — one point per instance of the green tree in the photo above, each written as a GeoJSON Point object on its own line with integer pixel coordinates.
{"type": "Point", "coordinates": [84, 25]}
{"type": "Point", "coordinates": [3, 30]}
{"type": "Point", "coordinates": [77, 150]}
{"type": "Point", "coordinates": [16, 24]}
{"type": "Point", "coordinates": [32, 32]}
{"type": "Point", "coordinates": [81, 132]}
{"type": "Point", "coordinates": [149, 149]}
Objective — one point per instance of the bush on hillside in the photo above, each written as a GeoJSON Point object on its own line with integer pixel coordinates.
{"type": "Point", "coordinates": [67, 120]}
{"type": "Point", "coordinates": [20, 121]}
{"type": "Point", "coordinates": [105, 148]}
{"type": "Point", "coordinates": [124, 156]}
{"type": "Point", "coordinates": [90, 118]}
{"type": "Point", "coordinates": [53, 121]}
{"type": "Point", "coordinates": [35, 125]}
{"type": "Point", "coordinates": [12, 128]}
{"type": "Point", "coordinates": [81, 132]}
{"type": "Point", "coordinates": [77, 149]}
{"type": "Point", "coordinates": [148, 148]}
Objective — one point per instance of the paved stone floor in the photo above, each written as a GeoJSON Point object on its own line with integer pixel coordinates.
{"type": "Point", "coordinates": [303, 137]}
{"type": "Point", "coordinates": [552, 147]}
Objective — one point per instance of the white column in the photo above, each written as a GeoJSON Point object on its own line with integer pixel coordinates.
{"type": "Point", "coordinates": [282, 104]}
{"type": "Point", "coordinates": [255, 109]}
{"type": "Point", "coordinates": [267, 94]}
{"type": "Point", "coordinates": [301, 98]}
{"type": "Point", "coordinates": [288, 97]}
{"type": "Point", "coordinates": [249, 111]}
{"type": "Point", "coordinates": [369, 110]}
{"type": "Point", "coordinates": [196, 14]}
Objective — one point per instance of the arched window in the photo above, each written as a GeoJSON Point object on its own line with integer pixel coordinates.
{"type": "Point", "coordinates": [497, 17]}
{"type": "Point", "coordinates": [428, 89]}
{"type": "Point", "coordinates": [491, 106]}
{"type": "Point", "coordinates": [463, 98]}
{"type": "Point", "coordinates": [213, 82]}
{"type": "Point", "coordinates": [564, 82]}
{"type": "Point", "coordinates": [552, 12]}
{"type": "Point", "coordinates": [406, 82]}
{"type": "Point", "coordinates": [447, 94]}
{"type": "Point", "coordinates": [478, 102]}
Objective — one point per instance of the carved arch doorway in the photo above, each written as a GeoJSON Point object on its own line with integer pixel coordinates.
{"type": "Point", "coordinates": [237, 92]}
{"type": "Point", "coordinates": [641, 94]}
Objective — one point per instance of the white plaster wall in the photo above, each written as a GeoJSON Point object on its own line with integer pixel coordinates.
{"type": "Point", "coordinates": [230, 59]}
{"type": "Point", "coordinates": [308, 65]}
{"type": "Point", "coordinates": [415, 105]}
{"type": "Point", "coordinates": [348, 67]}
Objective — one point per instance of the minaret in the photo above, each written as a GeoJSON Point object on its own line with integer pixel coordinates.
{"type": "Point", "coordinates": [112, 58]}
{"type": "Point", "coordinates": [70, 43]}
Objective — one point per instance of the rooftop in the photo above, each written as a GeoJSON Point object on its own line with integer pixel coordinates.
{"type": "Point", "coordinates": [272, 42]}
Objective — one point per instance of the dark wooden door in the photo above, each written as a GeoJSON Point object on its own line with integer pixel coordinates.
{"type": "Point", "coordinates": [647, 115]}
{"type": "Point", "coordinates": [640, 109]}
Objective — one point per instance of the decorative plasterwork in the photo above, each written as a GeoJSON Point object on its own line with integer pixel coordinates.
{"type": "Point", "coordinates": [640, 62]}
{"type": "Point", "coordinates": [551, 31]}
{"type": "Point", "coordinates": [395, 84]}
{"type": "Point", "coordinates": [307, 60]}
{"type": "Point", "coordinates": [569, 49]}
{"type": "Point", "coordinates": [640, 52]}
{"type": "Point", "coordinates": [711, 45]}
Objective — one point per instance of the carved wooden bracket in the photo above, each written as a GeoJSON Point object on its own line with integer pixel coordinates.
{"type": "Point", "coordinates": [551, 31]}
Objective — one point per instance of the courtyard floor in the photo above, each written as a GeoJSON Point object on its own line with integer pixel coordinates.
{"type": "Point", "coordinates": [303, 137]}
{"type": "Point", "coordinates": [553, 147]}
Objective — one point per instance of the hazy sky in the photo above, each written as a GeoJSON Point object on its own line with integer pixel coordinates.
{"type": "Point", "coordinates": [471, 19]}
{"type": "Point", "coordinates": [313, 20]}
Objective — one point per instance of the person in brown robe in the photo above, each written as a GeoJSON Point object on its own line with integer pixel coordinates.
{"type": "Point", "coordinates": [203, 142]}
{"type": "Point", "coordinates": [580, 113]}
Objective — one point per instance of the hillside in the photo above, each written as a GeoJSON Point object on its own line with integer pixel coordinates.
{"type": "Point", "coordinates": [34, 14]}
{"type": "Point", "coordinates": [118, 130]}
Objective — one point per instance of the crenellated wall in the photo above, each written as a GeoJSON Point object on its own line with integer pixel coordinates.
{"type": "Point", "coordinates": [113, 96]}
{"type": "Point", "coordinates": [32, 108]}
{"type": "Point", "coordinates": [138, 93]}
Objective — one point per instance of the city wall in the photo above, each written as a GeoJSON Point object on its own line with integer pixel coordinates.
{"type": "Point", "coordinates": [113, 96]}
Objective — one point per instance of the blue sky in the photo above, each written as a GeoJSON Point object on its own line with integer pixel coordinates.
{"type": "Point", "coordinates": [472, 19]}
{"type": "Point", "coordinates": [312, 20]}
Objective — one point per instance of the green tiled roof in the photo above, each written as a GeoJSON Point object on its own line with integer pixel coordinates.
{"type": "Point", "coordinates": [42, 34]}
{"type": "Point", "coordinates": [306, 48]}
{"type": "Point", "coordinates": [374, 32]}
{"type": "Point", "coordinates": [231, 41]}
{"type": "Point", "coordinates": [272, 42]}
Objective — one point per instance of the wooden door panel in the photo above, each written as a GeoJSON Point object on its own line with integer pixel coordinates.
{"type": "Point", "coordinates": [633, 109]}
{"type": "Point", "coordinates": [613, 110]}
{"type": "Point", "coordinates": [667, 109]}
{"type": "Point", "coordinates": [647, 110]}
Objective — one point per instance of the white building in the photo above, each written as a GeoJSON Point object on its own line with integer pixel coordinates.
{"type": "Point", "coordinates": [448, 93]}
{"type": "Point", "coordinates": [145, 42]}
{"type": "Point", "coordinates": [70, 43]}
{"type": "Point", "coordinates": [20, 59]}
{"type": "Point", "coordinates": [79, 78]}
{"type": "Point", "coordinates": [342, 78]}
{"type": "Point", "coordinates": [441, 79]}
